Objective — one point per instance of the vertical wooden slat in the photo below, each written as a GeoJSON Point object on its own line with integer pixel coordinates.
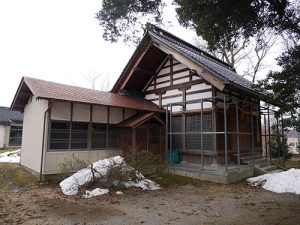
{"type": "Point", "coordinates": [107, 124]}
{"type": "Point", "coordinates": [90, 129]}
{"type": "Point", "coordinates": [70, 130]}
{"type": "Point", "coordinates": [171, 71]}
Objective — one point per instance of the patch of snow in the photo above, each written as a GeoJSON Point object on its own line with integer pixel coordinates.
{"type": "Point", "coordinates": [282, 182]}
{"type": "Point", "coordinates": [95, 192]}
{"type": "Point", "coordinates": [10, 157]}
{"type": "Point", "coordinates": [71, 185]}
{"type": "Point", "coordinates": [119, 193]}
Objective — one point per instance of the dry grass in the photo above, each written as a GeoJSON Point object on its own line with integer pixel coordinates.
{"type": "Point", "coordinates": [294, 162]}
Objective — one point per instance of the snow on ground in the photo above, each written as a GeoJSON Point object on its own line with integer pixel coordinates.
{"type": "Point", "coordinates": [95, 192]}
{"type": "Point", "coordinates": [10, 157]}
{"type": "Point", "coordinates": [71, 185]}
{"type": "Point", "coordinates": [119, 193]}
{"type": "Point", "coordinates": [287, 181]}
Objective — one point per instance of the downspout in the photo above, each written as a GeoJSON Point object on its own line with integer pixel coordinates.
{"type": "Point", "coordinates": [43, 142]}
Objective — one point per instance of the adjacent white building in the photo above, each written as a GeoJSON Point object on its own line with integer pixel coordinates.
{"type": "Point", "coordinates": [10, 128]}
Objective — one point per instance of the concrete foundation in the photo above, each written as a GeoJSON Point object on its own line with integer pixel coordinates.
{"type": "Point", "coordinates": [212, 174]}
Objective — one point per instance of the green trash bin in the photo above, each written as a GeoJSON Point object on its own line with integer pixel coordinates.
{"type": "Point", "coordinates": [173, 156]}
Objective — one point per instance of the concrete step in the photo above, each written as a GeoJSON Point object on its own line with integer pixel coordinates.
{"type": "Point", "coordinates": [276, 171]}
{"type": "Point", "coordinates": [257, 161]}
{"type": "Point", "coordinates": [269, 168]}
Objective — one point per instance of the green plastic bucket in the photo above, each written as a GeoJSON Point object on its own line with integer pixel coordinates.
{"type": "Point", "coordinates": [173, 156]}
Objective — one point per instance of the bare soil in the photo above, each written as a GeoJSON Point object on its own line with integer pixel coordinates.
{"type": "Point", "coordinates": [24, 201]}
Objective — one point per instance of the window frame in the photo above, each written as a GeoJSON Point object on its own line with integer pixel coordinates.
{"type": "Point", "coordinates": [19, 130]}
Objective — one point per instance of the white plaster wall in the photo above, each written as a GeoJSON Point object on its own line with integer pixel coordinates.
{"type": "Point", "coordinates": [163, 85]}
{"type": "Point", "coordinates": [6, 136]}
{"type": "Point", "coordinates": [100, 114]}
{"type": "Point", "coordinates": [81, 113]}
{"type": "Point", "coordinates": [61, 111]}
{"type": "Point", "coordinates": [2, 135]}
{"type": "Point", "coordinates": [179, 67]}
{"type": "Point", "coordinates": [33, 134]}
{"type": "Point", "coordinates": [115, 115]}
{"type": "Point", "coordinates": [172, 100]}
{"type": "Point", "coordinates": [53, 160]}
{"type": "Point", "coordinates": [198, 87]}
{"type": "Point", "coordinates": [183, 80]}
{"type": "Point", "coordinates": [164, 71]}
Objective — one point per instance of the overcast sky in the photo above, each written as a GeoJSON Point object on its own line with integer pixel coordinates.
{"type": "Point", "coordinates": [61, 41]}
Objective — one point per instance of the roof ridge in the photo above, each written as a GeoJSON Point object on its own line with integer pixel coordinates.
{"type": "Point", "coordinates": [192, 47]}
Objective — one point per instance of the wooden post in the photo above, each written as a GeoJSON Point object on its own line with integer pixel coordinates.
{"type": "Point", "coordinates": [134, 142]}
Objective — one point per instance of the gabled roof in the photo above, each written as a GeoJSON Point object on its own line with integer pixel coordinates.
{"type": "Point", "coordinates": [138, 120]}
{"type": "Point", "coordinates": [220, 70]}
{"type": "Point", "coordinates": [8, 116]}
{"type": "Point", "coordinates": [42, 89]}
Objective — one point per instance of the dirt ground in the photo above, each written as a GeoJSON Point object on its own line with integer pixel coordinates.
{"type": "Point", "coordinates": [24, 201]}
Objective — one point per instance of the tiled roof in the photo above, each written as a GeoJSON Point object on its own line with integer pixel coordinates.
{"type": "Point", "coordinates": [51, 90]}
{"type": "Point", "coordinates": [212, 64]}
{"type": "Point", "coordinates": [7, 116]}
{"type": "Point", "coordinates": [137, 120]}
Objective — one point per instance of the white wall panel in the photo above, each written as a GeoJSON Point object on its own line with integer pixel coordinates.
{"type": "Point", "coordinates": [81, 113]}
{"type": "Point", "coordinates": [163, 79]}
{"type": "Point", "coordinates": [172, 92]}
{"type": "Point", "coordinates": [151, 96]}
{"type": "Point", "coordinates": [172, 100]}
{"type": "Point", "coordinates": [197, 106]}
{"type": "Point", "coordinates": [115, 115]}
{"type": "Point", "coordinates": [163, 85]}
{"type": "Point", "coordinates": [198, 87]}
{"type": "Point", "coordinates": [181, 74]}
{"type": "Point", "coordinates": [100, 114]}
{"type": "Point", "coordinates": [61, 111]}
{"type": "Point", "coordinates": [199, 96]}
{"type": "Point", "coordinates": [179, 67]}
{"type": "Point", "coordinates": [164, 71]}
{"type": "Point", "coordinates": [181, 81]}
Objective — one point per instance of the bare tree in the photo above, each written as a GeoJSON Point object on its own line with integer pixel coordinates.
{"type": "Point", "coordinates": [246, 52]}
{"type": "Point", "coordinates": [263, 42]}
{"type": "Point", "coordinates": [231, 55]}
{"type": "Point", "coordinates": [98, 81]}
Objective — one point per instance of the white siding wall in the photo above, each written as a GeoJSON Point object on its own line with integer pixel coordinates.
{"type": "Point", "coordinates": [2, 135]}
{"type": "Point", "coordinates": [100, 114]}
{"type": "Point", "coordinates": [115, 115]}
{"type": "Point", "coordinates": [7, 136]}
{"type": "Point", "coordinates": [53, 160]}
{"type": "Point", "coordinates": [61, 111]}
{"type": "Point", "coordinates": [81, 113]}
{"type": "Point", "coordinates": [33, 134]}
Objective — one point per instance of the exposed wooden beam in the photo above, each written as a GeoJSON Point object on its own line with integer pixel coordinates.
{"type": "Point", "coordinates": [210, 77]}
{"type": "Point", "coordinates": [124, 82]}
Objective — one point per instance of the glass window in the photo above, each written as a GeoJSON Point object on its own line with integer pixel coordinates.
{"type": "Point", "coordinates": [59, 135]}
{"type": "Point", "coordinates": [79, 135]}
{"type": "Point", "coordinates": [193, 132]}
{"type": "Point", "coordinates": [15, 136]}
{"type": "Point", "coordinates": [99, 132]}
{"type": "Point", "coordinates": [113, 137]}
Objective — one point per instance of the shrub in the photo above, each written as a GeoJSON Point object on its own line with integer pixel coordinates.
{"type": "Point", "coordinates": [73, 164]}
{"type": "Point", "coordinates": [117, 175]}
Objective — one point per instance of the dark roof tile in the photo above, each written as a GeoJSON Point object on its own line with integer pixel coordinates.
{"type": "Point", "coordinates": [216, 66]}
{"type": "Point", "coordinates": [8, 116]}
